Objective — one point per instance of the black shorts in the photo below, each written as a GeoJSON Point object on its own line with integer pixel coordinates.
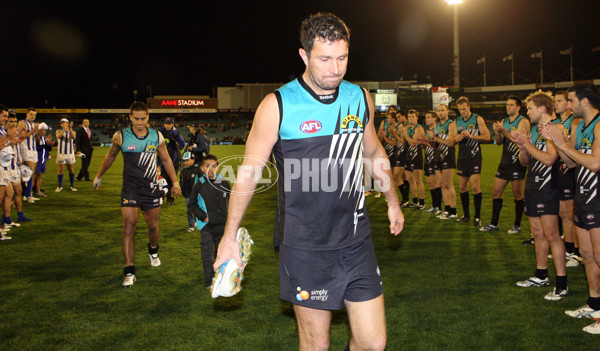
{"type": "Point", "coordinates": [586, 215]}
{"type": "Point", "coordinates": [143, 201]}
{"type": "Point", "coordinates": [324, 279]}
{"type": "Point", "coordinates": [541, 202]}
{"type": "Point", "coordinates": [446, 163]}
{"type": "Point", "coordinates": [466, 167]}
{"type": "Point", "coordinates": [567, 183]}
{"type": "Point", "coordinates": [412, 165]}
{"type": "Point", "coordinates": [430, 168]}
{"type": "Point", "coordinates": [511, 172]}
{"type": "Point", "coordinates": [399, 158]}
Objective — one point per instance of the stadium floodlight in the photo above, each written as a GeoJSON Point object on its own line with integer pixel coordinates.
{"type": "Point", "coordinates": [456, 60]}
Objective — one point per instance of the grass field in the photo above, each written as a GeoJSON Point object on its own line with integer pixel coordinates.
{"type": "Point", "coordinates": [447, 285]}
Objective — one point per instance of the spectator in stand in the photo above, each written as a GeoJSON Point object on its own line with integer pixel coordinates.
{"type": "Point", "coordinates": [174, 142]}
{"type": "Point", "coordinates": [198, 144]}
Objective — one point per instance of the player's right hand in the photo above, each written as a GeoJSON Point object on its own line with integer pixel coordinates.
{"type": "Point", "coordinates": [97, 183]}
{"type": "Point", "coordinates": [229, 248]}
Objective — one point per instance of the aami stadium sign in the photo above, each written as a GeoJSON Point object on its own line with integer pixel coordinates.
{"type": "Point", "coordinates": [182, 102]}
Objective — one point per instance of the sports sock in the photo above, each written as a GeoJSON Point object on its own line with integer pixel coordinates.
{"type": "Point", "coordinates": [452, 210]}
{"type": "Point", "coordinates": [519, 208]}
{"type": "Point", "coordinates": [20, 215]}
{"type": "Point", "coordinates": [576, 252]}
{"type": "Point", "coordinates": [436, 197]}
{"type": "Point", "coordinates": [447, 209]}
{"type": "Point", "coordinates": [561, 282]}
{"type": "Point", "coordinates": [129, 269]}
{"type": "Point", "coordinates": [570, 247]}
{"type": "Point", "coordinates": [4, 220]}
{"type": "Point", "coordinates": [421, 202]}
{"type": "Point", "coordinates": [541, 273]}
{"type": "Point", "coordinates": [496, 208]}
{"type": "Point", "coordinates": [594, 303]}
{"type": "Point", "coordinates": [29, 187]}
{"type": "Point", "coordinates": [151, 250]}
{"type": "Point", "coordinates": [464, 198]}
{"type": "Point", "coordinates": [407, 185]}
{"type": "Point", "coordinates": [60, 180]}
{"type": "Point", "coordinates": [477, 201]}
{"type": "Point", "coordinates": [72, 179]}
{"type": "Point", "coordinates": [347, 347]}
{"type": "Point", "coordinates": [415, 200]}
{"type": "Point", "coordinates": [404, 192]}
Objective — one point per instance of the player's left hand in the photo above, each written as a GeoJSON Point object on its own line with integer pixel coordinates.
{"type": "Point", "coordinates": [175, 191]}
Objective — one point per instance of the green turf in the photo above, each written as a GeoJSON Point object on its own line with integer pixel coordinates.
{"type": "Point", "coordinates": [447, 285]}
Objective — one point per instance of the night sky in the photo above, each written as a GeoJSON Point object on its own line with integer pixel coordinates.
{"type": "Point", "coordinates": [65, 54]}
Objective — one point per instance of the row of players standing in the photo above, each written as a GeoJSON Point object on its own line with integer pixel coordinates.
{"type": "Point", "coordinates": [404, 139]}
{"type": "Point", "coordinates": [545, 187]}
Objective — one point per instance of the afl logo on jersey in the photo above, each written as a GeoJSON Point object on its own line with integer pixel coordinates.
{"type": "Point", "coordinates": [312, 126]}
{"type": "Point", "coordinates": [131, 148]}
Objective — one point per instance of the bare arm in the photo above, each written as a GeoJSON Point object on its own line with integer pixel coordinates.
{"type": "Point", "coordinates": [451, 140]}
{"type": "Point", "coordinates": [22, 129]}
{"type": "Point", "coordinates": [374, 152]}
{"type": "Point", "coordinates": [484, 132]}
{"type": "Point", "coordinates": [589, 161]}
{"type": "Point", "coordinates": [163, 154]}
{"type": "Point", "coordinates": [262, 138]}
{"type": "Point", "coordinates": [547, 157]}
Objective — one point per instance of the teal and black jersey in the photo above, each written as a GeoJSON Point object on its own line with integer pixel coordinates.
{"type": "Point", "coordinates": [319, 157]}
{"type": "Point", "coordinates": [441, 130]}
{"type": "Point", "coordinates": [588, 181]}
{"type": "Point", "coordinates": [415, 153]}
{"type": "Point", "coordinates": [389, 148]}
{"type": "Point", "coordinates": [468, 148]}
{"type": "Point", "coordinates": [540, 177]}
{"type": "Point", "coordinates": [139, 162]}
{"type": "Point", "coordinates": [510, 151]}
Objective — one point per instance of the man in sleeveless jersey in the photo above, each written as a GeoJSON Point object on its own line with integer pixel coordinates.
{"type": "Point", "coordinates": [65, 153]}
{"type": "Point", "coordinates": [15, 173]}
{"type": "Point", "coordinates": [4, 173]}
{"type": "Point", "coordinates": [399, 165]}
{"type": "Point", "coordinates": [412, 132]}
{"type": "Point", "coordinates": [510, 168]}
{"type": "Point", "coordinates": [388, 139]}
{"type": "Point", "coordinates": [327, 260]}
{"type": "Point", "coordinates": [431, 164]}
{"type": "Point", "coordinates": [567, 180]}
{"type": "Point", "coordinates": [27, 130]}
{"type": "Point", "coordinates": [140, 146]}
{"type": "Point", "coordinates": [542, 195]}
{"type": "Point", "coordinates": [444, 136]}
{"type": "Point", "coordinates": [470, 132]}
{"type": "Point", "coordinates": [584, 156]}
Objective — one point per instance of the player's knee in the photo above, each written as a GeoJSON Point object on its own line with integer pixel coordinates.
{"type": "Point", "coordinates": [372, 343]}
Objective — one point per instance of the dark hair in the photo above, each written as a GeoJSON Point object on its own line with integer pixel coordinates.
{"type": "Point", "coordinates": [324, 26]}
{"type": "Point", "coordinates": [587, 91]}
{"type": "Point", "coordinates": [31, 109]}
{"type": "Point", "coordinates": [563, 93]}
{"type": "Point", "coordinates": [515, 99]}
{"type": "Point", "coordinates": [210, 157]}
{"type": "Point", "coordinates": [138, 106]}
{"type": "Point", "coordinates": [3, 108]}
